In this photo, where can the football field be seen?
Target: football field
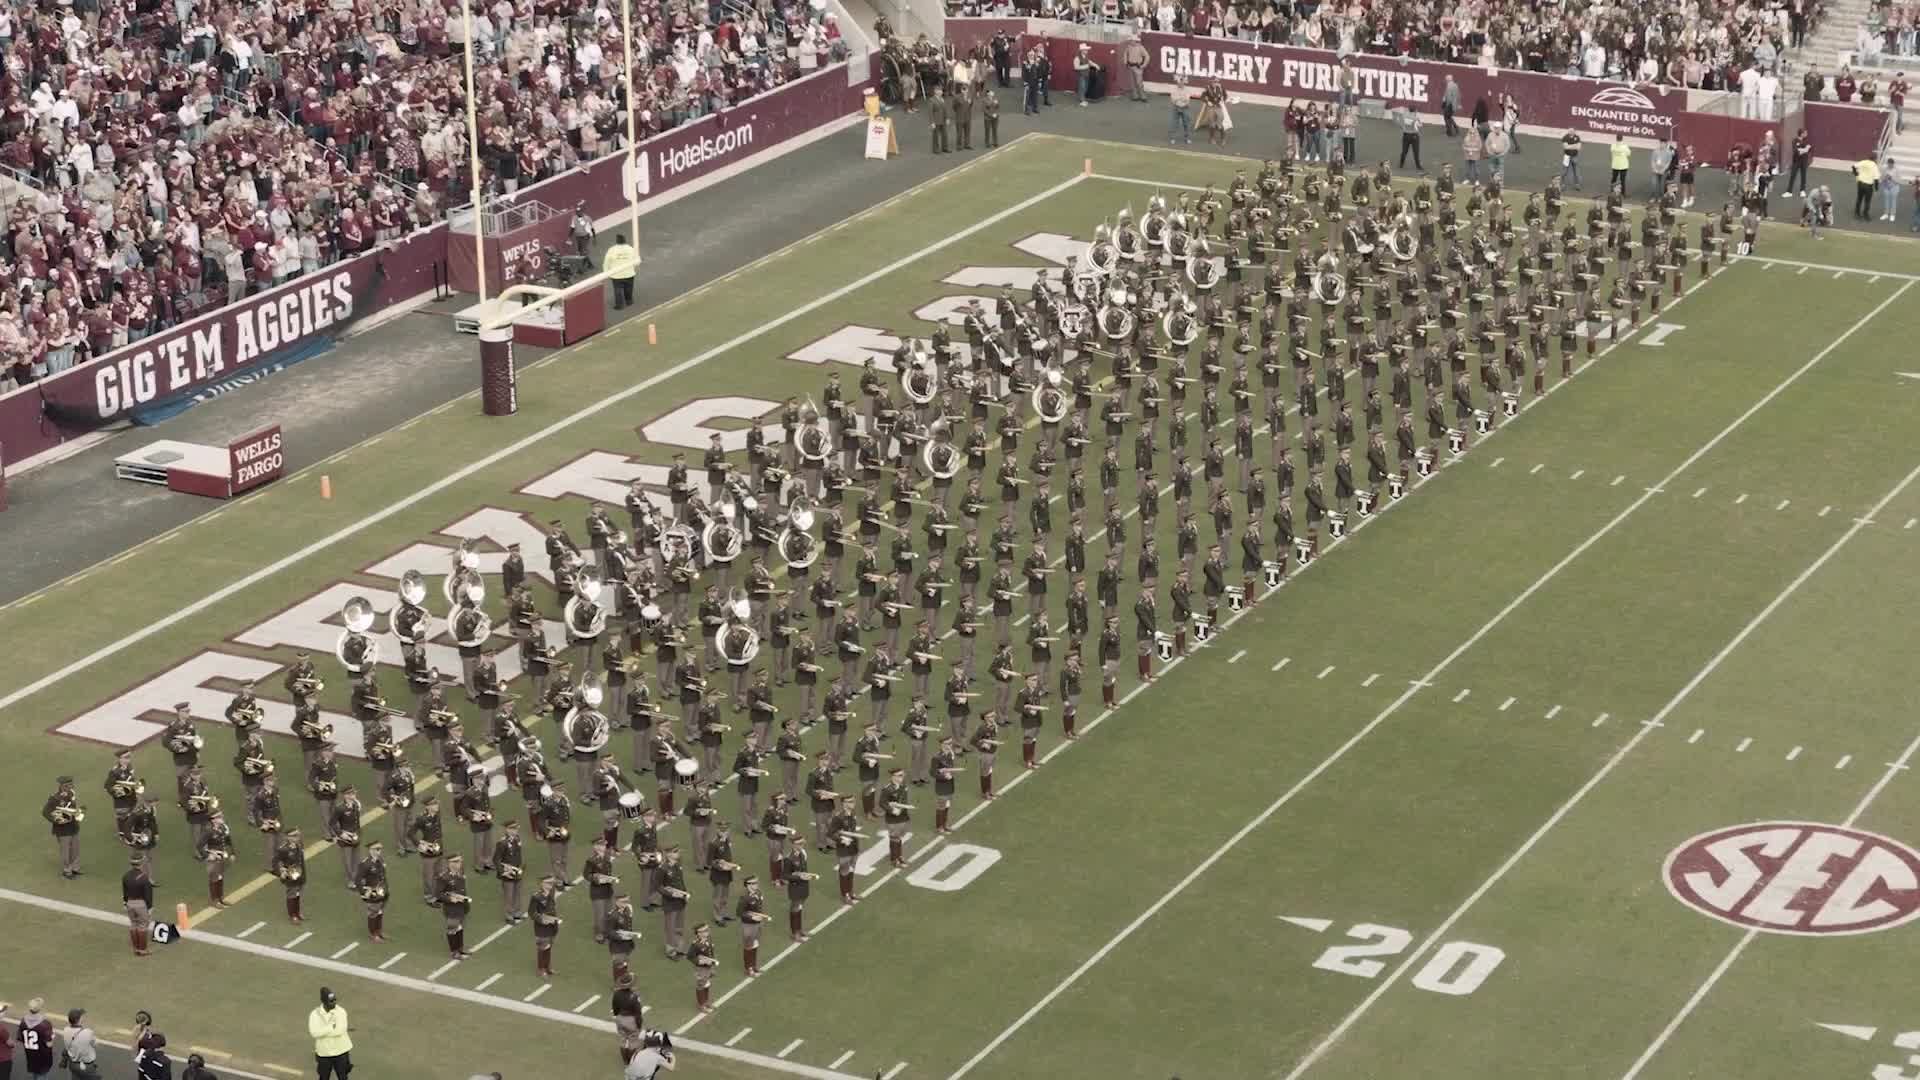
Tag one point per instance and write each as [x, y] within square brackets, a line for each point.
[1592, 756]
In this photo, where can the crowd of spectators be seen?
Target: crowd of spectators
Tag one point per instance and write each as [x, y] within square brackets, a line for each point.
[1698, 43]
[162, 157]
[1892, 29]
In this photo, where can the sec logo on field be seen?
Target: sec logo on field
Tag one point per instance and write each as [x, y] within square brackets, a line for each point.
[1797, 877]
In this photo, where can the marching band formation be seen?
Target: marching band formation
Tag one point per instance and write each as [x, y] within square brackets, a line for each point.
[897, 533]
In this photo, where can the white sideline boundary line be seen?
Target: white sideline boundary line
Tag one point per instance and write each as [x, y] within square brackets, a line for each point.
[1340, 752]
[1605, 770]
[404, 982]
[521, 444]
[1893, 769]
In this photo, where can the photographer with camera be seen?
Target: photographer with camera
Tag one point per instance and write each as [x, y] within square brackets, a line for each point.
[655, 1056]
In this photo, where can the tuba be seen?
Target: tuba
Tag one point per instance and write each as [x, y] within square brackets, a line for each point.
[1202, 271]
[811, 441]
[410, 621]
[1153, 224]
[1329, 288]
[584, 617]
[796, 543]
[480, 624]
[585, 718]
[940, 456]
[1403, 242]
[1102, 255]
[737, 641]
[1115, 317]
[466, 571]
[919, 382]
[1050, 403]
[1182, 321]
[1127, 239]
[355, 651]
[720, 537]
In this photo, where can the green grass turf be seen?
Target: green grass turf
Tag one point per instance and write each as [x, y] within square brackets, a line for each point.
[1399, 831]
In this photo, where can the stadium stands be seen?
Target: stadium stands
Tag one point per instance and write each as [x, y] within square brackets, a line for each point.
[161, 159]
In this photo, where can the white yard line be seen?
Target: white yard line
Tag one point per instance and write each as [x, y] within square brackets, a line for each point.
[1746, 939]
[516, 448]
[1805, 266]
[1440, 932]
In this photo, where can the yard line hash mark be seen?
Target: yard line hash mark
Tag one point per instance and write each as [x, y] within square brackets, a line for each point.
[841, 1060]
[582, 1007]
[1369, 680]
[1420, 954]
[535, 996]
[1793, 753]
[490, 980]
[1842, 763]
[251, 930]
[1784, 503]
[893, 1072]
[741, 1034]
[1235, 658]
[1461, 696]
[349, 947]
[1326, 671]
[1507, 704]
[1577, 474]
[1744, 743]
[296, 941]
[392, 960]
[1496, 463]
[1695, 737]
[1535, 469]
[791, 1047]
[1825, 510]
[1553, 712]
[1280, 663]
[1601, 719]
[1618, 480]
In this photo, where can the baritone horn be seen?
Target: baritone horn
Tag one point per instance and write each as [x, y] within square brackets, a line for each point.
[355, 651]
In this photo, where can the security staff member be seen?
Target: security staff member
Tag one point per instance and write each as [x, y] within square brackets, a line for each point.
[619, 264]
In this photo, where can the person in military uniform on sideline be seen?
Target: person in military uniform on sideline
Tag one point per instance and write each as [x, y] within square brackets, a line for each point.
[963, 115]
[937, 112]
[990, 119]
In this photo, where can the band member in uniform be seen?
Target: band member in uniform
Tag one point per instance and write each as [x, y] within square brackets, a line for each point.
[136, 893]
[621, 937]
[371, 882]
[556, 828]
[822, 799]
[323, 783]
[216, 850]
[700, 818]
[429, 843]
[544, 909]
[123, 785]
[600, 882]
[673, 902]
[509, 865]
[1031, 710]
[475, 807]
[752, 910]
[799, 881]
[198, 802]
[944, 768]
[290, 866]
[141, 833]
[450, 896]
[896, 807]
[1070, 679]
[720, 869]
[264, 810]
[775, 824]
[344, 824]
[62, 812]
[701, 955]
[645, 847]
[181, 740]
[867, 756]
[398, 794]
[844, 834]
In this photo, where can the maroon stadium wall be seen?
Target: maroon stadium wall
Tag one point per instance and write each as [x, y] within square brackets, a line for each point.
[666, 162]
[235, 339]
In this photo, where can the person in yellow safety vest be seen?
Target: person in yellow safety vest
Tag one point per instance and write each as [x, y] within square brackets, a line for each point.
[1866, 176]
[332, 1046]
[1620, 159]
[619, 263]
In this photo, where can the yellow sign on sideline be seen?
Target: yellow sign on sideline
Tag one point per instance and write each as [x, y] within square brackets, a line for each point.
[881, 144]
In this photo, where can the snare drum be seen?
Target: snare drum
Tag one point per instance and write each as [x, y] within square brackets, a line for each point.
[686, 768]
[632, 806]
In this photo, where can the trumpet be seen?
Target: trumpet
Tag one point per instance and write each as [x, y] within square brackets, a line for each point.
[139, 840]
[346, 838]
[323, 789]
[69, 815]
[127, 789]
[456, 898]
[270, 825]
[291, 875]
[373, 894]
[202, 804]
[508, 872]
[257, 766]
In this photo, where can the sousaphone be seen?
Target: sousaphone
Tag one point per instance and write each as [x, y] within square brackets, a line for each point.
[812, 441]
[1128, 240]
[721, 538]
[737, 641]
[1050, 402]
[1115, 317]
[1329, 288]
[585, 724]
[471, 626]
[1202, 271]
[355, 651]
[584, 616]
[466, 570]
[939, 455]
[1181, 323]
[1403, 242]
[919, 381]
[1102, 255]
[797, 546]
[411, 621]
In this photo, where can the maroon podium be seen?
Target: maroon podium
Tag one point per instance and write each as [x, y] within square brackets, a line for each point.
[499, 382]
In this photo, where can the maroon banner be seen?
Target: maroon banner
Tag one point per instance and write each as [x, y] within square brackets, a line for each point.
[255, 458]
[219, 345]
[512, 257]
[1284, 73]
[1844, 133]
